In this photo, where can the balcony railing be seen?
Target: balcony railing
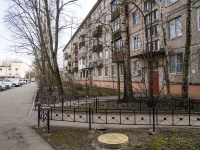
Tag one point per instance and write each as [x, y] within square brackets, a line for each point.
[82, 53]
[75, 59]
[97, 32]
[82, 43]
[117, 34]
[117, 57]
[97, 48]
[115, 13]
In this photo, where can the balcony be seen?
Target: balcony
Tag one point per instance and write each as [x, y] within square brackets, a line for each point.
[75, 59]
[147, 54]
[82, 43]
[97, 32]
[82, 53]
[90, 65]
[75, 48]
[117, 35]
[115, 13]
[97, 48]
[67, 56]
[100, 63]
[118, 57]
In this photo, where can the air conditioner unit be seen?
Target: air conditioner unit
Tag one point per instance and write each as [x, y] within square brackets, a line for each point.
[137, 73]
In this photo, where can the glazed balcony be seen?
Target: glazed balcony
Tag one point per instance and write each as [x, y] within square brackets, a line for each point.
[118, 57]
[117, 35]
[115, 13]
[75, 59]
[97, 32]
[82, 53]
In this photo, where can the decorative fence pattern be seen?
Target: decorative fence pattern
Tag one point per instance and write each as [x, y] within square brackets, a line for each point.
[101, 111]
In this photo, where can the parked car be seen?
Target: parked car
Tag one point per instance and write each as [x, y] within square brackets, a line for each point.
[1, 88]
[32, 79]
[7, 82]
[15, 82]
[4, 86]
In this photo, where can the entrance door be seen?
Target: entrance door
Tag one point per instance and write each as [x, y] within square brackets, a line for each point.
[155, 83]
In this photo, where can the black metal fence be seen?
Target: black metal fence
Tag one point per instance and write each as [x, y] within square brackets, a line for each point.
[102, 111]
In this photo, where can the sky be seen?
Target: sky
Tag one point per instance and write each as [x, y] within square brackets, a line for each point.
[82, 9]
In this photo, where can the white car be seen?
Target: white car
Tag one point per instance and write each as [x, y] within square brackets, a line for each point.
[3, 86]
[6, 84]
[15, 82]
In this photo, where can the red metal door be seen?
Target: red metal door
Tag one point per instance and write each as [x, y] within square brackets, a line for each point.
[155, 83]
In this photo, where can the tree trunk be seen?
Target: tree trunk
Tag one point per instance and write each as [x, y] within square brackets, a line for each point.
[128, 91]
[187, 52]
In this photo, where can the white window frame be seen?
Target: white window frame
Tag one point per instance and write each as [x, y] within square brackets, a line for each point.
[198, 19]
[199, 63]
[173, 27]
[99, 72]
[136, 17]
[177, 64]
[113, 70]
[106, 71]
[170, 2]
[121, 69]
[136, 42]
[106, 54]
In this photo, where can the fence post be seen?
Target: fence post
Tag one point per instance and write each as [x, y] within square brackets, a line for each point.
[62, 107]
[96, 104]
[153, 119]
[48, 122]
[89, 119]
[38, 116]
[189, 112]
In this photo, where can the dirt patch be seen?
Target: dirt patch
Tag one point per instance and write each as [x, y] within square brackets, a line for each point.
[71, 138]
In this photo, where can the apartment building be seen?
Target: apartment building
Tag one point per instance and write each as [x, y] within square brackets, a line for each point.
[92, 54]
[14, 70]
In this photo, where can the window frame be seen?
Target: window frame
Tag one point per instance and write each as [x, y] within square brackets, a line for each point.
[176, 64]
[198, 19]
[106, 71]
[169, 4]
[135, 17]
[113, 70]
[136, 39]
[174, 21]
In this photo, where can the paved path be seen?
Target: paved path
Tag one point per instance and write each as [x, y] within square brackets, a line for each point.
[15, 122]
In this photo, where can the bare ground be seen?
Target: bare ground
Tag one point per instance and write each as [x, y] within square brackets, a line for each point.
[166, 138]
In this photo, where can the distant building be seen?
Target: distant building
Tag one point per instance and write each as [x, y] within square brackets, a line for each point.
[15, 70]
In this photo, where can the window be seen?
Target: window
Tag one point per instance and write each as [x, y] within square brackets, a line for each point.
[136, 42]
[99, 10]
[106, 54]
[100, 55]
[176, 63]
[199, 63]
[136, 68]
[175, 28]
[113, 70]
[105, 19]
[151, 17]
[105, 3]
[155, 46]
[9, 68]
[115, 5]
[16, 73]
[106, 37]
[121, 69]
[148, 5]
[152, 31]
[136, 17]
[99, 71]
[106, 71]
[16, 69]
[117, 46]
[170, 2]
[0, 69]
[198, 18]
[116, 24]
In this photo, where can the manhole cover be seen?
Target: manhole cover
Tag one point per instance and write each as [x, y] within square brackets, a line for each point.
[113, 140]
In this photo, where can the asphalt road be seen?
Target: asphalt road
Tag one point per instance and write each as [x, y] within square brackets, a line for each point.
[15, 121]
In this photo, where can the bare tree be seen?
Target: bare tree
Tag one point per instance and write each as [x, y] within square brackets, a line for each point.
[187, 51]
[38, 23]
